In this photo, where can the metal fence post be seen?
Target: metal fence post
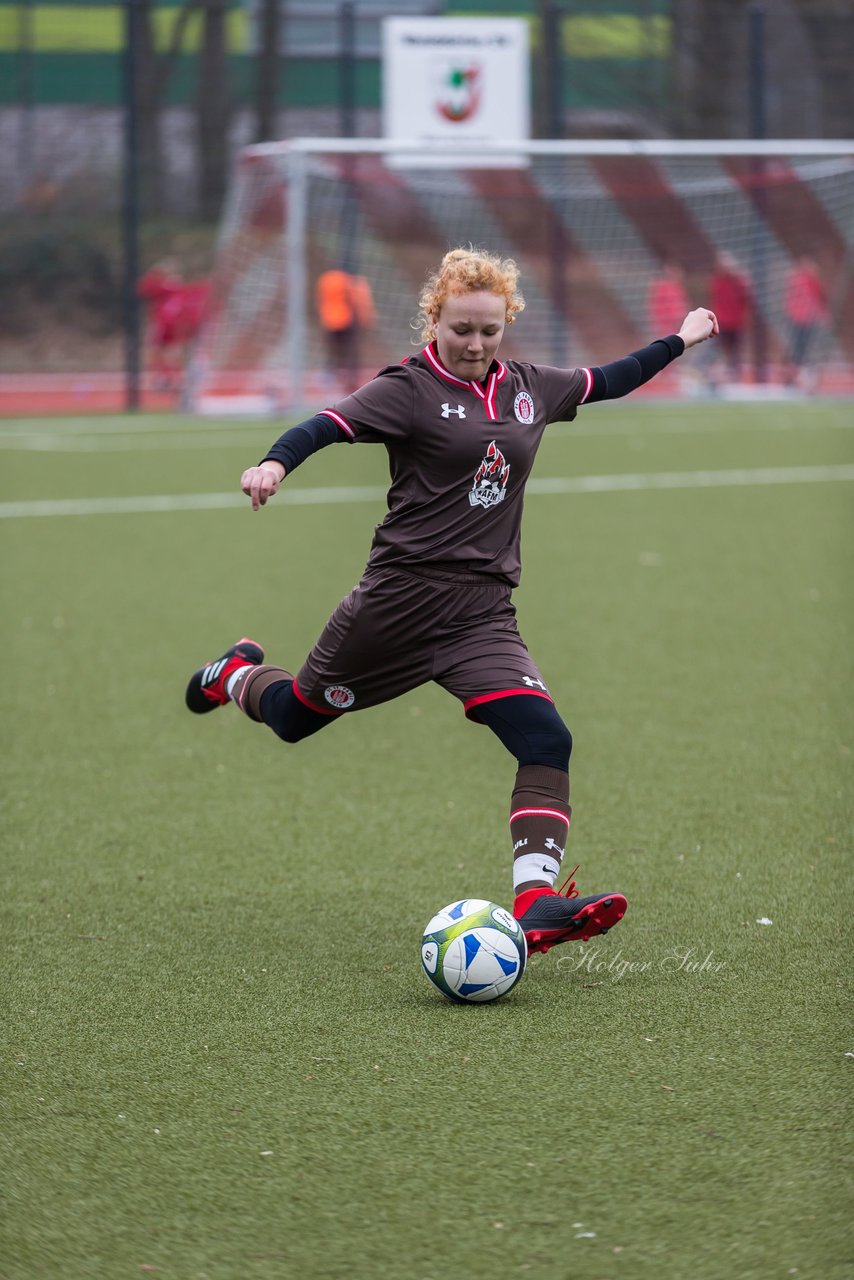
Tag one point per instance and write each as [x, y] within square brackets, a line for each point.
[758, 129]
[130, 209]
[296, 280]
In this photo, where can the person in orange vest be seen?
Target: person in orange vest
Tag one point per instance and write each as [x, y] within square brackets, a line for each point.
[344, 307]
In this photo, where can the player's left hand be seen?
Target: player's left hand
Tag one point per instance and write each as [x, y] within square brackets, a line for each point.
[697, 326]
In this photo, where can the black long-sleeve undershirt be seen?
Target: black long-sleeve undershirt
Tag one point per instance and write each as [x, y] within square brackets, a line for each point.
[302, 441]
[610, 381]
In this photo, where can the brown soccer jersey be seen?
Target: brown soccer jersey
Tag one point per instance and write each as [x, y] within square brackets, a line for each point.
[460, 454]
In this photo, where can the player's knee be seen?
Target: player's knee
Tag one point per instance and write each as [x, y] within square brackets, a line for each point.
[289, 718]
[549, 743]
[294, 731]
[558, 742]
[286, 731]
[531, 729]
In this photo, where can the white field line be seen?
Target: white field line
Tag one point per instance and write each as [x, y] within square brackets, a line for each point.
[39, 442]
[127, 424]
[685, 425]
[117, 436]
[634, 482]
[117, 439]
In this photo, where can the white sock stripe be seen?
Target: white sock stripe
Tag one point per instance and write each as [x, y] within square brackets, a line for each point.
[235, 675]
[534, 866]
[538, 813]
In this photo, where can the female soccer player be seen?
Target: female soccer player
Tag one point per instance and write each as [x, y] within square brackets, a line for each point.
[462, 430]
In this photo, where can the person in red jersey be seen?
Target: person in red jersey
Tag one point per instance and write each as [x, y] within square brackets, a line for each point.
[175, 312]
[731, 300]
[461, 429]
[667, 299]
[160, 288]
[808, 313]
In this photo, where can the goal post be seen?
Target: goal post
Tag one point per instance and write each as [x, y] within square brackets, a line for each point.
[611, 236]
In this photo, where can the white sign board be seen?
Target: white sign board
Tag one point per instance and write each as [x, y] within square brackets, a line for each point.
[454, 83]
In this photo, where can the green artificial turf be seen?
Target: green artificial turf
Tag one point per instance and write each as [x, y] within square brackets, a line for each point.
[220, 1058]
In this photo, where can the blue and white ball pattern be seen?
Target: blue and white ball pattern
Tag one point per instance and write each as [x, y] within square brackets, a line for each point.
[473, 951]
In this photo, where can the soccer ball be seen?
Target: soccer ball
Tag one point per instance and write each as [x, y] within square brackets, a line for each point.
[474, 951]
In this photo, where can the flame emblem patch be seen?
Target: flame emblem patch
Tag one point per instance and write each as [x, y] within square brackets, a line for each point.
[490, 480]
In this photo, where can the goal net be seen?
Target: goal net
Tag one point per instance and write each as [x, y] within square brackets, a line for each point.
[614, 241]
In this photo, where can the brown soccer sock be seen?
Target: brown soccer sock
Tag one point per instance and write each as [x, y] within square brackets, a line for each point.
[252, 684]
[539, 821]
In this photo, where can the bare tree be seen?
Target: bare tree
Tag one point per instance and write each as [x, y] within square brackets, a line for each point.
[213, 110]
[806, 47]
[153, 73]
[268, 62]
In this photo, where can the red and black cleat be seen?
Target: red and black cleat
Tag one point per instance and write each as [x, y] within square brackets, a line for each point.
[548, 917]
[206, 689]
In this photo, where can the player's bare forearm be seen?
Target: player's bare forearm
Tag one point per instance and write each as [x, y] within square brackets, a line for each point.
[261, 482]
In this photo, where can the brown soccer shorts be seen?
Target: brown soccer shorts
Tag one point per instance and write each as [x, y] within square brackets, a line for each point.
[401, 628]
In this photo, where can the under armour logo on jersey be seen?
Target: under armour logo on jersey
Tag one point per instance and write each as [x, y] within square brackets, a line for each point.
[553, 844]
[447, 410]
[534, 684]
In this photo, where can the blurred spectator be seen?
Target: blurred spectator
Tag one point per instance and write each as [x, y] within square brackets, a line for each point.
[807, 313]
[345, 306]
[730, 299]
[175, 310]
[667, 301]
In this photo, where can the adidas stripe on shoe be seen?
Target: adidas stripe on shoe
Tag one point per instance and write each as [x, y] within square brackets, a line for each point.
[207, 687]
[549, 918]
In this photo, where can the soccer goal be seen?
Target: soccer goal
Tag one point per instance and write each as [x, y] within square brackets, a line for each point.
[614, 240]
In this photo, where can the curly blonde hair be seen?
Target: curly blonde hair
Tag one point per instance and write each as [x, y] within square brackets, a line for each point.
[468, 271]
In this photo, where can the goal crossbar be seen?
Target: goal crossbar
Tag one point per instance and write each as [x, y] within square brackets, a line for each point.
[562, 147]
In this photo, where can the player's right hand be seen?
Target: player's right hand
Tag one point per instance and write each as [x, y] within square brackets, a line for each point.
[260, 483]
[697, 326]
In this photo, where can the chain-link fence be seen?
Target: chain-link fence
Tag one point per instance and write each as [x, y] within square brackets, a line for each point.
[119, 122]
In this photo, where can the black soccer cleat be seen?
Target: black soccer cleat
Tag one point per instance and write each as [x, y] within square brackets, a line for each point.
[548, 918]
[206, 689]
